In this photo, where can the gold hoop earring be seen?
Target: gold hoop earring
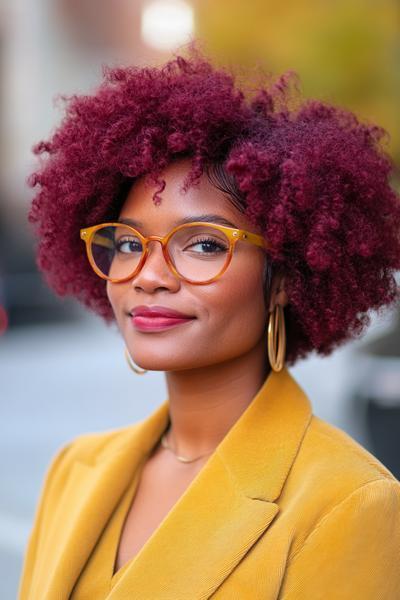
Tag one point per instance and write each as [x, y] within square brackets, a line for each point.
[131, 364]
[276, 331]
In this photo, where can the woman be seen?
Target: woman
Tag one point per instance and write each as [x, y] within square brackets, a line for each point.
[227, 236]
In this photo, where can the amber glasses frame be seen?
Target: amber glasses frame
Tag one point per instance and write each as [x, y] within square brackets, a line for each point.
[234, 235]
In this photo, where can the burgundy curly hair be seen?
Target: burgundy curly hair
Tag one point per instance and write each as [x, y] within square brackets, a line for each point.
[314, 179]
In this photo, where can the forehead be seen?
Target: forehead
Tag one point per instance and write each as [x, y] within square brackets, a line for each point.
[202, 198]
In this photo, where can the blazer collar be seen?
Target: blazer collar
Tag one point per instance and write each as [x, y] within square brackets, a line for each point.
[226, 508]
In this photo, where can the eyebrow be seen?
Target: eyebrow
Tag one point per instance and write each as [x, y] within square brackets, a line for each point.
[210, 218]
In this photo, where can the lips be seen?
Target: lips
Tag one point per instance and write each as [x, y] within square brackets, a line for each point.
[158, 312]
[156, 318]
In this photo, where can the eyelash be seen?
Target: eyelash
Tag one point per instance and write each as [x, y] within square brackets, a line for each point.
[209, 241]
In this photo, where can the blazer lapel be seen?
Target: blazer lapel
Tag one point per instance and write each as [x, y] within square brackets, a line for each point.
[229, 504]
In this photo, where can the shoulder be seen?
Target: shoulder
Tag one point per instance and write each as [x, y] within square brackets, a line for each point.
[331, 474]
[337, 455]
[93, 445]
[333, 461]
[341, 506]
[335, 480]
[88, 448]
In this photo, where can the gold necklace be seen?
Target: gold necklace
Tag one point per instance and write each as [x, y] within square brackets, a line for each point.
[165, 444]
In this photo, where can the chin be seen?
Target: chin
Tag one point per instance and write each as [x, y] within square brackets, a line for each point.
[159, 363]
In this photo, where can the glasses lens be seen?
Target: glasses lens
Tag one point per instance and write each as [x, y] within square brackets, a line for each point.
[199, 252]
[116, 251]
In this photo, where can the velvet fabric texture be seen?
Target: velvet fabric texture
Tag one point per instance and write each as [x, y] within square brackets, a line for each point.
[287, 507]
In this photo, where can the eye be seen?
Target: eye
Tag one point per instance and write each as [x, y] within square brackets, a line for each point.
[208, 245]
[128, 245]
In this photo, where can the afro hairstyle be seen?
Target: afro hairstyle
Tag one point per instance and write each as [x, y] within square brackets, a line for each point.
[312, 178]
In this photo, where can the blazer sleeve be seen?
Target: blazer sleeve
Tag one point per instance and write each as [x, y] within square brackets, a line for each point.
[354, 550]
[48, 489]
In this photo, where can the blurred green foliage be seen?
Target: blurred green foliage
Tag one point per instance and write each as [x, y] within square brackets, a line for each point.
[345, 51]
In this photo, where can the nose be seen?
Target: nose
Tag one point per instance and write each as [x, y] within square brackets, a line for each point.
[155, 271]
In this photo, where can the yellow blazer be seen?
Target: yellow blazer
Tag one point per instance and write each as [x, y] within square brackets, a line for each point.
[287, 507]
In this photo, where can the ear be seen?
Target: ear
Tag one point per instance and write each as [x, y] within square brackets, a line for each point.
[278, 293]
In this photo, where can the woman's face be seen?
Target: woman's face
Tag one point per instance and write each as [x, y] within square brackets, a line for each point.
[229, 314]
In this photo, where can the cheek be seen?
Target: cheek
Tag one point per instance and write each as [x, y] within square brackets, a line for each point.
[110, 294]
[237, 310]
[114, 294]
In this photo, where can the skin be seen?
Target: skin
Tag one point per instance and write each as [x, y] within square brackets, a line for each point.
[214, 365]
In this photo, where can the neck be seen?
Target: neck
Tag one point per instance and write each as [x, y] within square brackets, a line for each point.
[205, 403]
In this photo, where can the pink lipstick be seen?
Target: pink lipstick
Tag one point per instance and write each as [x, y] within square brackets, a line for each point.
[157, 318]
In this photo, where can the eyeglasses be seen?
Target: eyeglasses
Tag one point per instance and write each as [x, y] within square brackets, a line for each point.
[196, 252]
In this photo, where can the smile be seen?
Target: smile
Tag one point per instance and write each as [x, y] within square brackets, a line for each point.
[143, 323]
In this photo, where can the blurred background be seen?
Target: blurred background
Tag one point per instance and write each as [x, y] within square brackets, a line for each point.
[62, 371]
